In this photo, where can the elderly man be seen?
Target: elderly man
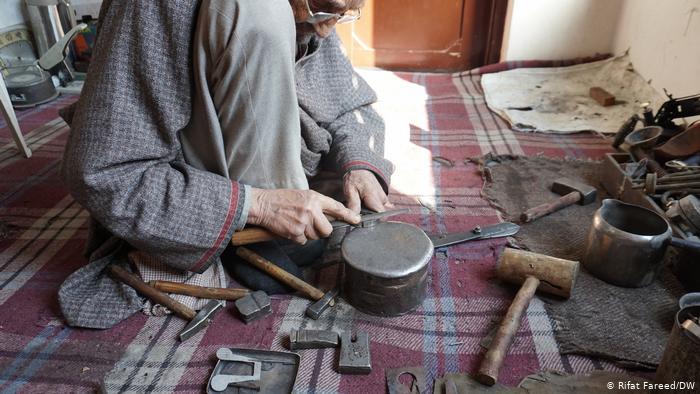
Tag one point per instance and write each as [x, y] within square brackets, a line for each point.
[198, 118]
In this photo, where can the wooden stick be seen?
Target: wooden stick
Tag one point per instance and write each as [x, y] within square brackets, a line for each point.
[212, 293]
[152, 294]
[550, 207]
[252, 235]
[488, 372]
[278, 273]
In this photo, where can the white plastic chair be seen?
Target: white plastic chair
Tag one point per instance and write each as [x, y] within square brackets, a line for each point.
[11, 119]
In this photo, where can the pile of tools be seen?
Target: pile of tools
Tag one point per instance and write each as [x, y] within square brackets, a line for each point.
[665, 157]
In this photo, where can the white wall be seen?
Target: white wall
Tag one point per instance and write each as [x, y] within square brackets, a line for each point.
[664, 42]
[14, 12]
[11, 13]
[559, 29]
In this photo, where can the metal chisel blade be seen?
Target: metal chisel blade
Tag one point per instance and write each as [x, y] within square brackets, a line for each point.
[368, 217]
[495, 231]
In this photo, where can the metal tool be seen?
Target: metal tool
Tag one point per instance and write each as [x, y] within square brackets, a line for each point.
[681, 166]
[255, 234]
[220, 382]
[312, 339]
[285, 277]
[254, 306]
[685, 213]
[641, 142]
[535, 272]
[572, 192]
[212, 293]
[505, 229]
[369, 218]
[354, 354]
[417, 385]
[278, 370]
[197, 320]
[315, 310]
[652, 183]
[625, 130]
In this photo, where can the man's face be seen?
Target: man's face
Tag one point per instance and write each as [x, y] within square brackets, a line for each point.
[322, 29]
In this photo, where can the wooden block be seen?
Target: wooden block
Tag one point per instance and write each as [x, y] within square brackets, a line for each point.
[602, 96]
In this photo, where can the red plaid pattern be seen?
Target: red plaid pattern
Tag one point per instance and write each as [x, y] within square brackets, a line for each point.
[427, 115]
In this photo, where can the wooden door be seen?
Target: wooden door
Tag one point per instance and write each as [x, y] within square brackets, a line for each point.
[426, 34]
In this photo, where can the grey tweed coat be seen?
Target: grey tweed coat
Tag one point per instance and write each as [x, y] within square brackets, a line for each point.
[123, 161]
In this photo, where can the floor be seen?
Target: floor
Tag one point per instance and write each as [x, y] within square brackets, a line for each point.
[428, 116]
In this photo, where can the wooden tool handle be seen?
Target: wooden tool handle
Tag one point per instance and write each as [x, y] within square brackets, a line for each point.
[550, 207]
[652, 165]
[278, 273]
[252, 235]
[152, 294]
[488, 372]
[211, 293]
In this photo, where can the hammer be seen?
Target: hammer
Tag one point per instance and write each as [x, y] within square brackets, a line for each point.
[323, 301]
[535, 272]
[572, 192]
[197, 320]
[212, 293]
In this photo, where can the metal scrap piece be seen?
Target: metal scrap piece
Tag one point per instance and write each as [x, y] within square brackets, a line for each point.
[254, 306]
[315, 310]
[354, 354]
[221, 381]
[444, 161]
[418, 384]
[312, 339]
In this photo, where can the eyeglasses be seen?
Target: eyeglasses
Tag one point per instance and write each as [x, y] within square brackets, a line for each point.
[320, 17]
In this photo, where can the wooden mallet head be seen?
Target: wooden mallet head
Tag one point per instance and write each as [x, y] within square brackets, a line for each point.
[556, 276]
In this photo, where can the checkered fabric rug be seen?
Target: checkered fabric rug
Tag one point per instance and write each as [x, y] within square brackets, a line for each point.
[428, 115]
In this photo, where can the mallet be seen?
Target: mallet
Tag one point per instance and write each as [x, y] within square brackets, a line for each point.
[323, 300]
[197, 320]
[535, 272]
[572, 192]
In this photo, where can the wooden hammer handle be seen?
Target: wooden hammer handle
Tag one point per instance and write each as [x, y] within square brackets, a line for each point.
[152, 294]
[278, 273]
[252, 235]
[488, 371]
[550, 207]
[211, 293]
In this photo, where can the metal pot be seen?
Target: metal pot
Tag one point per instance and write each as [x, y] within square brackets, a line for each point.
[386, 268]
[626, 244]
[29, 86]
[681, 359]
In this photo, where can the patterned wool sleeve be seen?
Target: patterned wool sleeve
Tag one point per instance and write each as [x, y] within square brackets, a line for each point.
[340, 101]
[123, 161]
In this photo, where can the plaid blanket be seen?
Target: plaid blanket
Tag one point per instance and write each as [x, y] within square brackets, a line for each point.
[42, 231]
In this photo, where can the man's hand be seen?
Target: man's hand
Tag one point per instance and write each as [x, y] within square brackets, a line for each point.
[362, 186]
[298, 215]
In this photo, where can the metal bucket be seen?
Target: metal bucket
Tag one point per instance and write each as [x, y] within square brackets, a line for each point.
[626, 244]
[681, 359]
[386, 268]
